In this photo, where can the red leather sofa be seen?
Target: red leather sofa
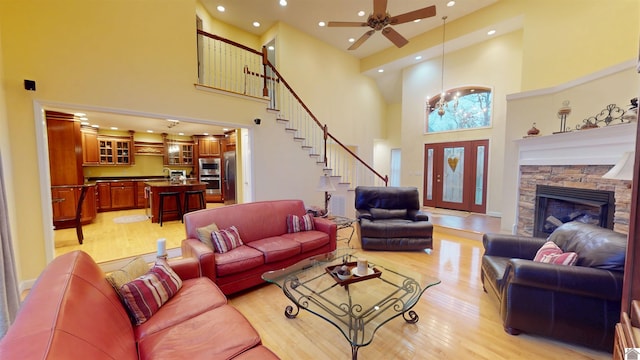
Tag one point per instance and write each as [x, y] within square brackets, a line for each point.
[267, 244]
[73, 312]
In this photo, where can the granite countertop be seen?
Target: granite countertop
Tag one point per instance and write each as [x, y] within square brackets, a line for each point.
[94, 180]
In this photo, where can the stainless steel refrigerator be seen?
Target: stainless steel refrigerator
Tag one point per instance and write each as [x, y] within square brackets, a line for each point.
[229, 177]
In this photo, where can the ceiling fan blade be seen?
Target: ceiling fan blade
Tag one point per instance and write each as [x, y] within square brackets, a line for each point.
[395, 37]
[362, 39]
[379, 8]
[414, 15]
[346, 24]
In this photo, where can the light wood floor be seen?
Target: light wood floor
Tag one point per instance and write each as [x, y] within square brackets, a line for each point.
[457, 319]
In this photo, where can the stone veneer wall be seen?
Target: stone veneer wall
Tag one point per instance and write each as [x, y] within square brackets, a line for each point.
[575, 176]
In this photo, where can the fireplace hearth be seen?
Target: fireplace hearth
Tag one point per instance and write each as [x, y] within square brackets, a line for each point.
[556, 205]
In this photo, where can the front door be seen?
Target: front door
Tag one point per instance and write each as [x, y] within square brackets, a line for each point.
[455, 175]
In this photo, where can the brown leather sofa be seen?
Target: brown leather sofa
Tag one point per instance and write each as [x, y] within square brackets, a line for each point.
[267, 244]
[390, 219]
[73, 312]
[578, 304]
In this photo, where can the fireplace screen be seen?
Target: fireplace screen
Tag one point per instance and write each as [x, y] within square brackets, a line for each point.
[557, 205]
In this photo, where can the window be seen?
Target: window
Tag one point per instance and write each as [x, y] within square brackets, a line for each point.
[464, 108]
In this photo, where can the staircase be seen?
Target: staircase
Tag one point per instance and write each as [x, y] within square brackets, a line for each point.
[235, 68]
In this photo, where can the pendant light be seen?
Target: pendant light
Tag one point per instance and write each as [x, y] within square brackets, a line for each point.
[441, 103]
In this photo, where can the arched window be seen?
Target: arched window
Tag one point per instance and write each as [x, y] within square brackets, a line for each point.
[467, 107]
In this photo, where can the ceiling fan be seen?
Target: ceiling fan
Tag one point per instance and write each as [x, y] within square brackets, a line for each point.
[380, 20]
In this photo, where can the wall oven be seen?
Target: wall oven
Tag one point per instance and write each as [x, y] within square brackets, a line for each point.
[209, 173]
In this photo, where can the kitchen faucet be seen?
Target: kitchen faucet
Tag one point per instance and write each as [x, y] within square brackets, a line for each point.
[167, 170]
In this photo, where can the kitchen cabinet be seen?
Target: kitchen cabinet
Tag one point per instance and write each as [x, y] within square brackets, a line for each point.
[114, 150]
[177, 152]
[208, 146]
[104, 196]
[65, 201]
[122, 195]
[65, 149]
[141, 199]
[89, 146]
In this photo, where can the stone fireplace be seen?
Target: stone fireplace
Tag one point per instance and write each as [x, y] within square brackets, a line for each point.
[573, 163]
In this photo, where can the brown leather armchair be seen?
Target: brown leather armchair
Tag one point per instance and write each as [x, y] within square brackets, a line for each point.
[578, 304]
[390, 219]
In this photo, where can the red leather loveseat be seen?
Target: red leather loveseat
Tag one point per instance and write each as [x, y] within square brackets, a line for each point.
[267, 244]
[73, 312]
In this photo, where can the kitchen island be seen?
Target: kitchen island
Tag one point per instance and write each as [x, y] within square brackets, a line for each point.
[154, 188]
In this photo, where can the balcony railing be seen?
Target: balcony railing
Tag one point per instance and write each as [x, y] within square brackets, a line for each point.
[228, 66]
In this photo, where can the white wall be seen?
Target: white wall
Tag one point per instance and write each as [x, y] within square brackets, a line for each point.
[494, 63]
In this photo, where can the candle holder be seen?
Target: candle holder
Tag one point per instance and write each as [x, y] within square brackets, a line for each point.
[563, 112]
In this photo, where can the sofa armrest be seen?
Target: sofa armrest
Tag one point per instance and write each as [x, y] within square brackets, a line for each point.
[417, 215]
[578, 280]
[329, 227]
[193, 248]
[186, 267]
[512, 246]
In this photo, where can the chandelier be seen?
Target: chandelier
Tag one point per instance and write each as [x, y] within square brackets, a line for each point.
[441, 105]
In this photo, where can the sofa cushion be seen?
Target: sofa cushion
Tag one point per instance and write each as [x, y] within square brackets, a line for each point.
[204, 233]
[395, 228]
[238, 260]
[596, 247]
[380, 214]
[146, 294]
[309, 240]
[132, 270]
[276, 248]
[550, 253]
[297, 223]
[187, 303]
[226, 239]
[220, 333]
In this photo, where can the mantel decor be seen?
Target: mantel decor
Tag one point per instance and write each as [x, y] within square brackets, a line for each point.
[612, 114]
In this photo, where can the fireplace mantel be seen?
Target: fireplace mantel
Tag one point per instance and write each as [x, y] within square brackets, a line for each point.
[601, 146]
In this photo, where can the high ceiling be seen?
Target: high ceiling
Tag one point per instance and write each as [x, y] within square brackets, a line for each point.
[305, 15]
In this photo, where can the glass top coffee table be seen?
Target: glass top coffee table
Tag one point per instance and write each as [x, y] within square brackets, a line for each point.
[358, 305]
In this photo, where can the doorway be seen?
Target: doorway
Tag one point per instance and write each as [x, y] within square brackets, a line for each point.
[456, 175]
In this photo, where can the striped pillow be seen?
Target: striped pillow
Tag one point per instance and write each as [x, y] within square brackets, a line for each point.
[299, 223]
[225, 240]
[550, 253]
[145, 295]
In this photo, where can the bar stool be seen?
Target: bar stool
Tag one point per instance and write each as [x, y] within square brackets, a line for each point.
[187, 199]
[162, 210]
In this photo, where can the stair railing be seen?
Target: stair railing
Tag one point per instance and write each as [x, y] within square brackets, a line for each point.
[232, 67]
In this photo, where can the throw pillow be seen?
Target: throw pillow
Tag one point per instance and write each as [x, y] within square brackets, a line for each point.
[135, 268]
[204, 233]
[299, 223]
[550, 253]
[145, 295]
[225, 240]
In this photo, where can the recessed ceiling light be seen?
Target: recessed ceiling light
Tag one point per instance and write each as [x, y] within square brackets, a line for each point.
[173, 121]
[322, 23]
[114, 128]
[205, 134]
[220, 8]
[361, 13]
[79, 114]
[271, 47]
[83, 118]
[225, 129]
[380, 70]
[352, 40]
[256, 24]
[283, 2]
[451, 3]
[85, 123]
[417, 20]
[95, 126]
[149, 131]
[418, 57]
[181, 134]
[491, 32]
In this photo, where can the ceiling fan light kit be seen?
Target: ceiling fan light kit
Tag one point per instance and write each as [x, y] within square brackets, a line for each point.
[381, 20]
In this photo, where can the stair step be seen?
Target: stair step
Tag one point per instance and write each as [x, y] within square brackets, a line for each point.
[298, 138]
[307, 147]
[290, 129]
[315, 155]
[284, 121]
